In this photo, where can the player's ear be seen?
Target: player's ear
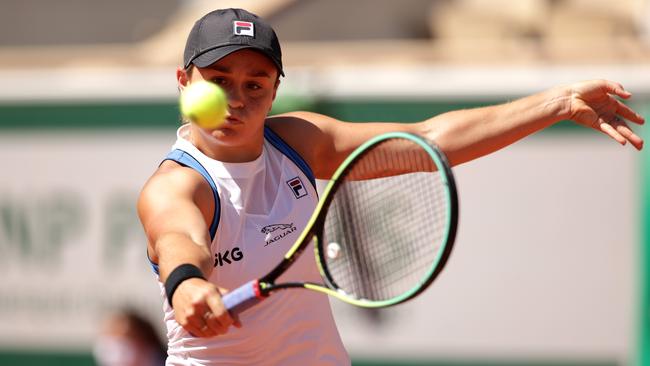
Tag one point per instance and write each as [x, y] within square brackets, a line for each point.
[182, 77]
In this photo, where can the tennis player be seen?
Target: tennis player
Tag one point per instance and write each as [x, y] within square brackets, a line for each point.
[226, 204]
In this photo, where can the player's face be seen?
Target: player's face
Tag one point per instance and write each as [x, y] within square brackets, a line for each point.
[250, 81]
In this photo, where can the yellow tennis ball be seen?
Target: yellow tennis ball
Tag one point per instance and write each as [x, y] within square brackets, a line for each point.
[204, 103]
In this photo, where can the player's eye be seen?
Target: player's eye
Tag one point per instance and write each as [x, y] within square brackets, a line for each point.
[254, 86]
[219, 81]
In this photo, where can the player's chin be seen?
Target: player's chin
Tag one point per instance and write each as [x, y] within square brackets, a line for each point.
[228, 131]
[232, 137]
[225, 132]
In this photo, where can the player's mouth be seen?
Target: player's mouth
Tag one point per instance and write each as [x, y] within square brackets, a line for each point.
[230, 125]
[232, 121]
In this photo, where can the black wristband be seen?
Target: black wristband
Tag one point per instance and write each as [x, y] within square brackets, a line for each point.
[178, 275]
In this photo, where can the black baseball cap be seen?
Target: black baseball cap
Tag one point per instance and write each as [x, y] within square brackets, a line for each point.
[224, 31]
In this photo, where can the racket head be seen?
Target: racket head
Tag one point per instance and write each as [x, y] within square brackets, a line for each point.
[382, 241]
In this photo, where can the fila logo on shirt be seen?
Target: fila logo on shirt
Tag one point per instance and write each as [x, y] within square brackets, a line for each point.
[227, 257]
[297, 187]
[241, 28]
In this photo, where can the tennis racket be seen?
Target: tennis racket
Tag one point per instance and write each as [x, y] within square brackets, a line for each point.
[382, 231]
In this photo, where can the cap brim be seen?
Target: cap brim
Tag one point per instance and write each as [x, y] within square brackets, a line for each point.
[208, 58]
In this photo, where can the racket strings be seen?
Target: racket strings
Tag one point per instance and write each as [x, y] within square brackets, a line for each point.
[420, 256]
[388, 217]
[386, 263]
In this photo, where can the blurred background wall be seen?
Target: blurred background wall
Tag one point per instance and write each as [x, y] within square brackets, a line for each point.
[549, 267]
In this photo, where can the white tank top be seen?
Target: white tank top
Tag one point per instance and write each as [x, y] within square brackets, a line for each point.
[262, 206]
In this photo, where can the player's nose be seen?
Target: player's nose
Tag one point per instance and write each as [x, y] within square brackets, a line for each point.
[235, 98]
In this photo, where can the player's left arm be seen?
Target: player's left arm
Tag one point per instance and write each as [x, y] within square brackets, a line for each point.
[465, 135]
[469, 134]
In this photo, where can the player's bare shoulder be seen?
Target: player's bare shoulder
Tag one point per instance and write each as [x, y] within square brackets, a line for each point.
[306, 132]
[293, 124]
[172, 182]
[173, 178]
[302, 121]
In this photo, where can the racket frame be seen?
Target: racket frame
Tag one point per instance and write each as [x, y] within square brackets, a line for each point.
[314, 230]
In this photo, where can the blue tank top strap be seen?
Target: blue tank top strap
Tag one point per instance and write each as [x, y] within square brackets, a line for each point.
[289, 152]
[185, 159]
[154, 266]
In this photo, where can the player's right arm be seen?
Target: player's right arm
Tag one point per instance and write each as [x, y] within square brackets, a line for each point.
[174, 207]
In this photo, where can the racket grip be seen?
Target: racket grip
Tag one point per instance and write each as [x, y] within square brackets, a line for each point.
[243, 297]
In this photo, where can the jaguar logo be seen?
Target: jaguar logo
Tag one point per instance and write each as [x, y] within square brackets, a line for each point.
[280, 230]
[271, 228]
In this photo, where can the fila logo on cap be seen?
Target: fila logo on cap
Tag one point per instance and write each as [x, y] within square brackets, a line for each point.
[242, 28]
[297, 187]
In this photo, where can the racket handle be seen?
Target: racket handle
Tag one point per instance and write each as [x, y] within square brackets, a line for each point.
[243, 297]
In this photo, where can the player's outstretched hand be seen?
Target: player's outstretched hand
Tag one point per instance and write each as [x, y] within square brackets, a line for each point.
[595, 104]
[199, 310]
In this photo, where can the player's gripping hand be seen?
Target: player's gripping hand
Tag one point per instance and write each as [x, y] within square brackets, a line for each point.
[595, 104]
[199, 310]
